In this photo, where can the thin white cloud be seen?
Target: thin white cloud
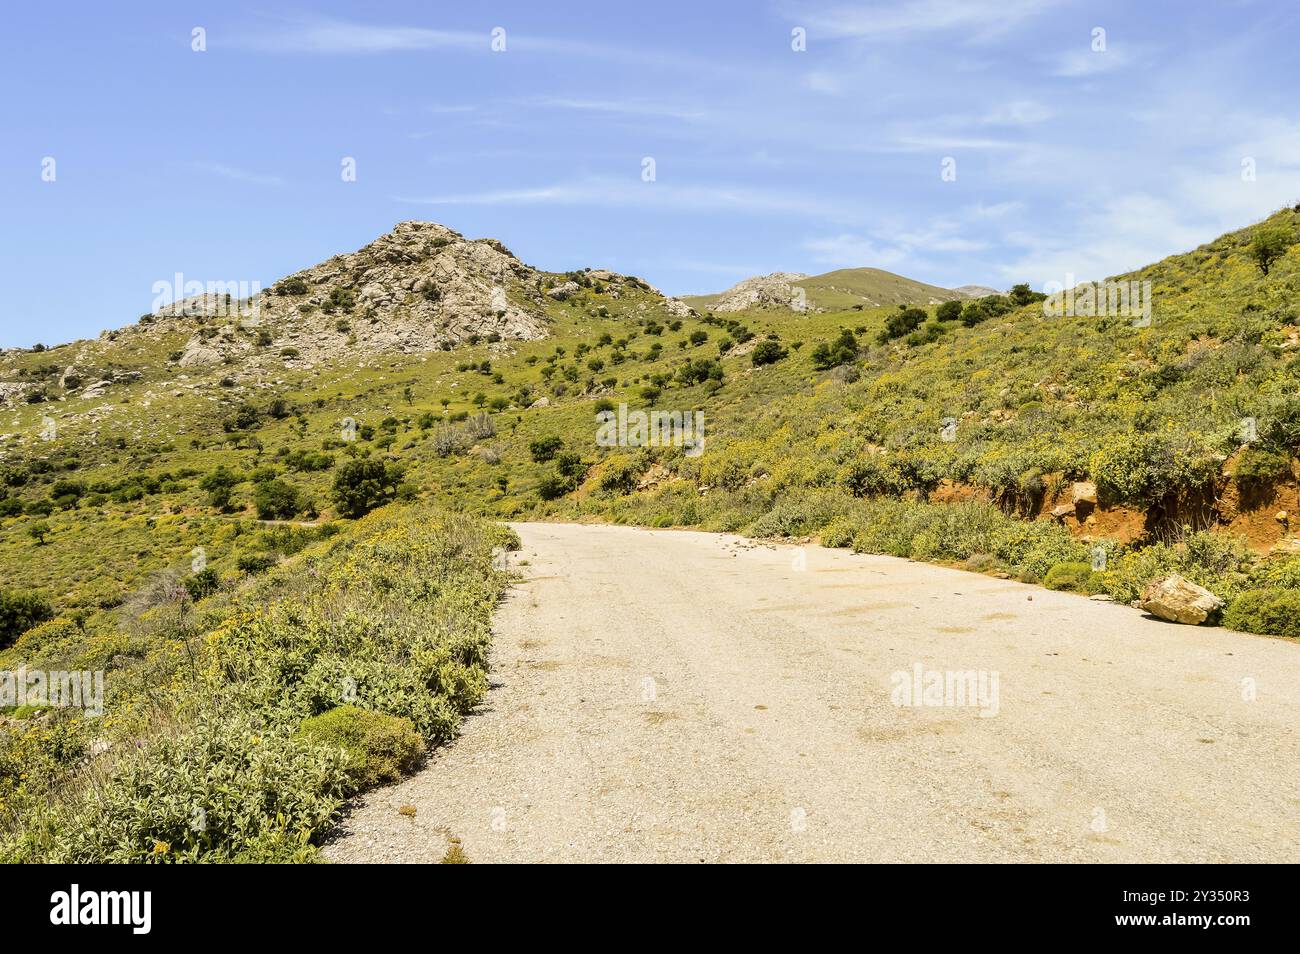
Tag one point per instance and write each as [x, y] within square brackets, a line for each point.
[909, 142]
[891, 245]
[1021, 112]
[980, 18]
[853, 251]
[324, 36]
[328, 36]
[996, 210]
[1087, 62]
[609, 191]
[823, 81]
[620, 107]
[235, 174]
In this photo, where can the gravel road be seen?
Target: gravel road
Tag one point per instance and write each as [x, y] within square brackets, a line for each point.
[677, 696]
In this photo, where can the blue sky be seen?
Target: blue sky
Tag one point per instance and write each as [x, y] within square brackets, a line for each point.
[225, 165]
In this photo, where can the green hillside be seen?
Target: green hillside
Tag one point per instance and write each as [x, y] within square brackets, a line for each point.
[162, 527]
[849, 288]
[846, 287]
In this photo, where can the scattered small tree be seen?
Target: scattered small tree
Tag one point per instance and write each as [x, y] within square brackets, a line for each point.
[1268, 244]
[1022, 294]
[545, 448]
[219, 485]
[902, 322]
[948, 311]
[276, 500]
[840, 351]
[20, 610]
[767, 352]
[362, 485]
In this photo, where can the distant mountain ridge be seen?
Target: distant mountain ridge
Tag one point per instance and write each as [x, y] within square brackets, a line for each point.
[838, 289]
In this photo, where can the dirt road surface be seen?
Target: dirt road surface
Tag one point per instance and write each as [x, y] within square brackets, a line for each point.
[676, 696]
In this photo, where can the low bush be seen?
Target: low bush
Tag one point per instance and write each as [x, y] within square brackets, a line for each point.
[800, 516]
[544, 449]
[225, 790]
[1143, 468]
[1075, 577]
[330, 672]
[362, 485]
[20, 610]
[1272, 612]
[1258, 467]
[1217, 562]
[276, 500]
[376, 748]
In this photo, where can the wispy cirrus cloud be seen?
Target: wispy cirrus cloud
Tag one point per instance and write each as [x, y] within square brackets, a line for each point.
[332, 36]
[981, 18]
[235, 174]
[326, 36]
[892, 244]
[1088, 62]
[1021, 112]
[611, 191]
[620, 107]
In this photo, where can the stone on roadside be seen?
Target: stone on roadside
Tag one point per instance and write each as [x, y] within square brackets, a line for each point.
[1178, 600]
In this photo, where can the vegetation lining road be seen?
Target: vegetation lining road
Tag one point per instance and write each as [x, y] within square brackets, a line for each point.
[135, 468]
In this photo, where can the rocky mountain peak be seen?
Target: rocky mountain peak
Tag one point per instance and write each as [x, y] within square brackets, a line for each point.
[420, 287]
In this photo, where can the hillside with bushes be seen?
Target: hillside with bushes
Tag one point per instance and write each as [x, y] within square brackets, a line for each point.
[275, 538]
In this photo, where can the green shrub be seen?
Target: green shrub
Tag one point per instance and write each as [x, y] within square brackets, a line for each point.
[1143, 468]
[832, 354]
[1272, 612]
[20, 610]
[276, 500]
[1279, 571]
[1035, 546]
[840, 532]
[362, 485]
[619, 474]
[553, 487]
[202, 584]
[948, 311]
[376, 748]
[544, 449]
[1214, 561]
[1076, 577]
[799, 516]
[570, 466]
[767, 352]
[253, 563]
[218, 485]
[872, 475]
[901, 322]
[227, 789]
[1259, 467]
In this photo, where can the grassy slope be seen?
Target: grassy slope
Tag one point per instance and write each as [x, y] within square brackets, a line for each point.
[201, 755]
[1148, 412]
[844, 288]
[1034, 396]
